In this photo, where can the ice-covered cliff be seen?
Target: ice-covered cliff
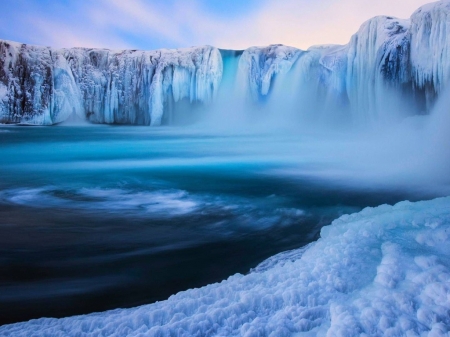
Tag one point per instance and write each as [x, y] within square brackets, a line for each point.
[389, 66]
[259, 65]
[41, 85]
[430, 47]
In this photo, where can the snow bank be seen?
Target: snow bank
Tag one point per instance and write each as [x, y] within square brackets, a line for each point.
[382, 272]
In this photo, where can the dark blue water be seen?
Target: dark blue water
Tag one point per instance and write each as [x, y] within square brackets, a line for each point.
[100, 217]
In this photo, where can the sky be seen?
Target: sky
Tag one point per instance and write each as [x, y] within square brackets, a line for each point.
[154, 24]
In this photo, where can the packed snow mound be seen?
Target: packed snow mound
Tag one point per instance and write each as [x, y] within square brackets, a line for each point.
[382, 272]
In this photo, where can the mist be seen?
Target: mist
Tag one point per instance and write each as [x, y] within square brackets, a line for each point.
[319, 135]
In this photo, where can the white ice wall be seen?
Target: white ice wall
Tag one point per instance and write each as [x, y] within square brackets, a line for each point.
[367, 79]
[259, 65]
[386, 68]
[129, 87]
[369, 52]
[430, 45]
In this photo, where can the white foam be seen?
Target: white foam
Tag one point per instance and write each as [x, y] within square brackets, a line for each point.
[163, 202]
[382, 272]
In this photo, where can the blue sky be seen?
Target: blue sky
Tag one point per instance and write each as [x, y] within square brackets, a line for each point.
[151, 24]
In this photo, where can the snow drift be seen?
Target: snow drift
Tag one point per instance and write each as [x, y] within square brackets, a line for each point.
[382, 272]
[386, 63]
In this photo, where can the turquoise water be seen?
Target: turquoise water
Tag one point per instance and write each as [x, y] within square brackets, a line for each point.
[100, 217]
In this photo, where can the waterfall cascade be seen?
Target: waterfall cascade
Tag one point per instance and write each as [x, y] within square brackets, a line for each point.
[368, 79]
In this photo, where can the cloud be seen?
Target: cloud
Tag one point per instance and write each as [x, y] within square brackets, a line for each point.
[304, 23]
[175, 23]
[137, 17]
[58, 34]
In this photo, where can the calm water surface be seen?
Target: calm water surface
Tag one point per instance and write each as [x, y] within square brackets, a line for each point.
[100, 217]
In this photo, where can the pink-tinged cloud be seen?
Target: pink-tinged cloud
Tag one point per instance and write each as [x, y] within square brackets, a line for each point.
[144, 24]
[302, 23]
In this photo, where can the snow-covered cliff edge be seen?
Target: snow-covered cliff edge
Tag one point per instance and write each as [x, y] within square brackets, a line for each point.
[387, 61]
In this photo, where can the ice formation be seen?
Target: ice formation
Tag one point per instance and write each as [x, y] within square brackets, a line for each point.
[382, 272]
[45, 86]
[430, 49]
[377, 56]
[258, 67]
[368, 78]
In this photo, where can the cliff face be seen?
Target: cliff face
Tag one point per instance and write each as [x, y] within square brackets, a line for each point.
[387, 57]
[45, 86]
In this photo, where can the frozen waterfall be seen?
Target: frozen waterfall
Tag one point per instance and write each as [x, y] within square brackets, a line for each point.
[389, 69]
[45, 86]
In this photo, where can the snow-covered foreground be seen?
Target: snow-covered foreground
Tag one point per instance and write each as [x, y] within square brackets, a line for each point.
[383, 271]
